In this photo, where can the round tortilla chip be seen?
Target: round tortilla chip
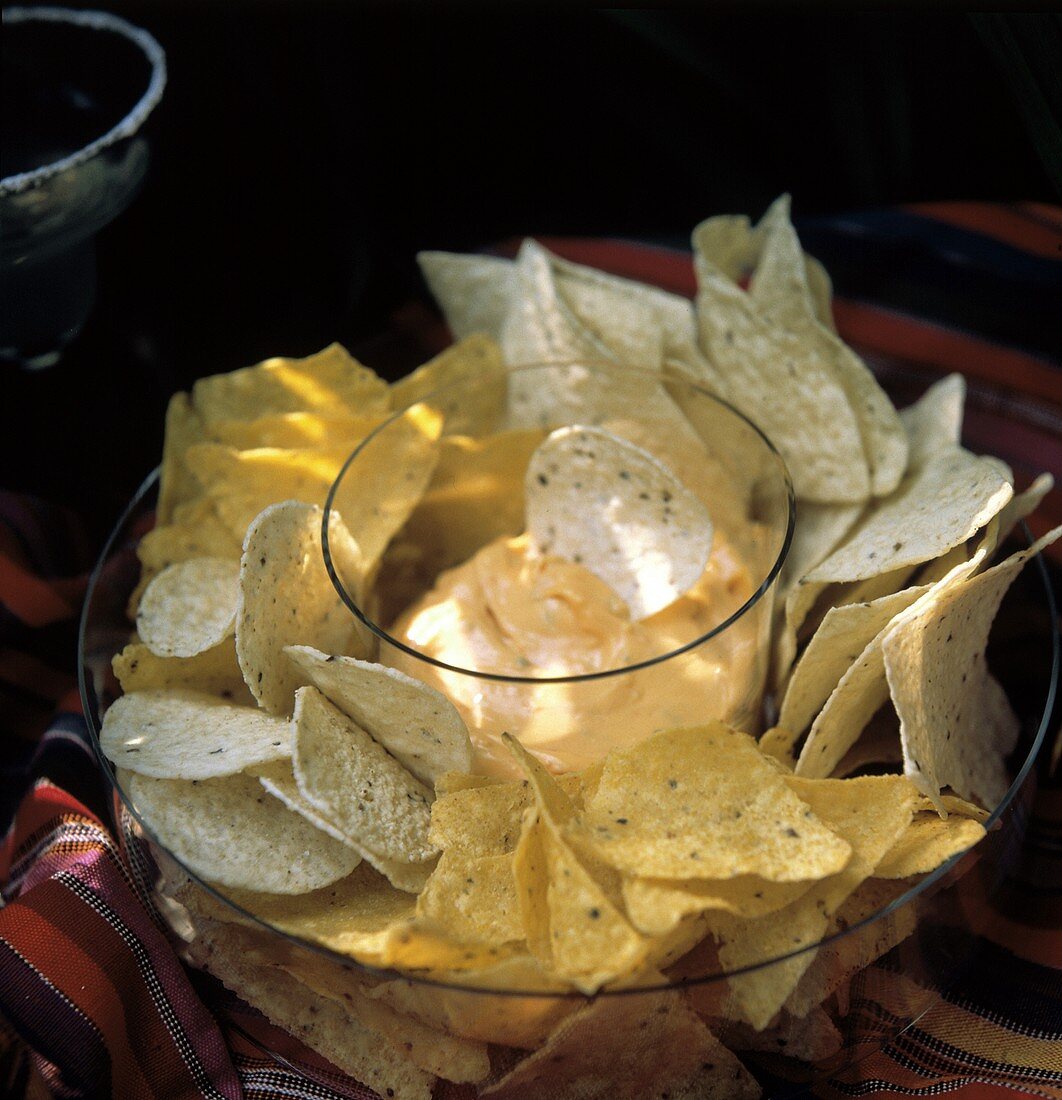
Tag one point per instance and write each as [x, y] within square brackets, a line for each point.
[598, 500]
[189, 607]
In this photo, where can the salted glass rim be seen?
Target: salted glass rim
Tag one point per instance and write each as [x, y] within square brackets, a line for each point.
[675, 374]
[93, 721]
[134, 118]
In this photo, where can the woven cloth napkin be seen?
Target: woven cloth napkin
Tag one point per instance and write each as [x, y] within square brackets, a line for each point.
[94, 1001]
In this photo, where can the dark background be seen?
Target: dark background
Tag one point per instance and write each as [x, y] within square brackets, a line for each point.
[304, 151]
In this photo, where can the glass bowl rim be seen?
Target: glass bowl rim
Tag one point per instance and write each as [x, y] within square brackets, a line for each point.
[674, 374]
[90, 707]
[134, 118]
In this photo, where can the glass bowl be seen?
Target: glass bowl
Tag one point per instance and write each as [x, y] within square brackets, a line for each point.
[703, 657]
[877, 975]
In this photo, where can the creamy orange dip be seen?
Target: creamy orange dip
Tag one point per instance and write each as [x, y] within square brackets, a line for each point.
[510, 612]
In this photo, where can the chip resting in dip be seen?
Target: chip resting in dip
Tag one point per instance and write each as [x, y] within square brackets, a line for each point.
[581, 715]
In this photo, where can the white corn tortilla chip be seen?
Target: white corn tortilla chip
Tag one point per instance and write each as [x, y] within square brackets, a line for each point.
[416, 723]
[598, 500]
[357, 785]
[837, 644]
[287, 598]
[473, 291]
[934, 422]
[232, 832]
[956, 726]
[189, 735]
[864, 688]
[189, 607]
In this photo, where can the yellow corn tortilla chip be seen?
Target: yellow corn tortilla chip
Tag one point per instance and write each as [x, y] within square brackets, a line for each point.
[569, 920]
[473, 898]
[478, 1013]
[189, 607]
[598, 500]
[296, 430]
[878, 746]
[323, 382]
[836, 962]
[230, 831]
[657, 906]
[287, 598]
[414, 722]
[658, 1042]
[189, 735]
[322, 1023]
[1022, 505]
[811, 1038]
[871, 813]
[214, 671]
[703, 802]
[184, 427]
[428, 1048]
[956, 725]
[466, 384]
[352, 780]
[929, 841]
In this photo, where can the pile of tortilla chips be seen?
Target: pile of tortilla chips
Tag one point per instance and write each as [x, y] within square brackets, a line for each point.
[330, 797]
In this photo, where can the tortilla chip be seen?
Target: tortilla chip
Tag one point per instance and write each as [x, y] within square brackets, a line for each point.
[871, 813]
[428, 1048]
[362, 790]
[657, 906]
[322, 1023]
[213, 672]
[287, 598]
[230, 831]
[776, 376]
[956, 726]
[189, 607]
[663, 1047]
[864, 688]
[298, 430]
[189, 735]
[929, 841]
[598, 500]
[819, 530]
[473, 291]
[417, 724]
[934, 422]
[473, 898]
[466, 384]
[837, 962]
[843, 635]
[936, 508]
[323, 382]
[184, 427]
[703, 802]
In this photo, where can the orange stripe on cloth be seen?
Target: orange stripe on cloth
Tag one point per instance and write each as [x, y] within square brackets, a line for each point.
[999, 222]
[903, 337]
[1050, 214]
[74, 972]
[44, 807]
[29, 598]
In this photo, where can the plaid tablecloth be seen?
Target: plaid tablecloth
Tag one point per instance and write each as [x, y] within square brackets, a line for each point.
[93, 1000]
